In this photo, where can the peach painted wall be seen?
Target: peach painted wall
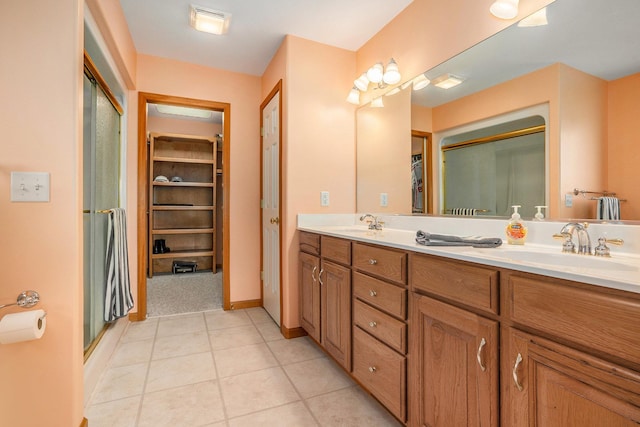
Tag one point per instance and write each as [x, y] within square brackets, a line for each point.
[384, 138]
[318, 144]
[41, 110]
[242, 91]
[421, 118]
[429, 32]
[624, 145]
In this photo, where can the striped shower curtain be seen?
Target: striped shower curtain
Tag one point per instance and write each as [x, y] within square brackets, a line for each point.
[118, 300]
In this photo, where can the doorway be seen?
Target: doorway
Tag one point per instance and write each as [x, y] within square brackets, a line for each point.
[270, 160]
[145, 101]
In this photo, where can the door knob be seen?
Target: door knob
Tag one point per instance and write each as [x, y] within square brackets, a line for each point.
[275, 220]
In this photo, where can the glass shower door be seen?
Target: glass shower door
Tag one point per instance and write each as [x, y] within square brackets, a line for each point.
[101, 172]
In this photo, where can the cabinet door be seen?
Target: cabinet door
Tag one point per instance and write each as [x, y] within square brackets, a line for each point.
[336, 312]
[453, 377]
[309, 269]
[545, 383]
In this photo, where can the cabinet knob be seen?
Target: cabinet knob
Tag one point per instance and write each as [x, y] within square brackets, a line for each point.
[372, 369]
[373, 324]
[274, 220]
[373, 261]
[372, 293]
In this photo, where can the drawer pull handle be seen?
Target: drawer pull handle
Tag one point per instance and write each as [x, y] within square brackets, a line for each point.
[372, 293]
[320, 276]
[483, 342]
[372, 369]
[515, 372]
[313, 274]
[373, 324]
[373, 261]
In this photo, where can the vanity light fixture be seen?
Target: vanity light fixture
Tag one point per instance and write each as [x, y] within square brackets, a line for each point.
[535, 20]
[504, 9]
[447, 81]
[362, 82]
[209, 20]
[420, 82]
[377, 102]
[354, 96]
[375, 73]
[391, 75]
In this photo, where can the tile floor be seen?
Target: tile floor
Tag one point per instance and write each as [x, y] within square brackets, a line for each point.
[220, 368]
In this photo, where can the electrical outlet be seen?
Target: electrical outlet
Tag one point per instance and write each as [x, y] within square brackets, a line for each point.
[383, 199]
[568, 200]
[324, 198]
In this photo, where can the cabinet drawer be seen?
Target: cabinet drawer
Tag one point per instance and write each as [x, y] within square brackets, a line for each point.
[458, 281]
[382, 371]
[385, 263]
[338, 250]
[602, 320]
[382, 326]
[383, 295]
[310, 243]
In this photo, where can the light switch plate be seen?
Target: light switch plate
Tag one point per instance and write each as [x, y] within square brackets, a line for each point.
[568, 200]
[30, 186]
[324, 198]
[383, 199]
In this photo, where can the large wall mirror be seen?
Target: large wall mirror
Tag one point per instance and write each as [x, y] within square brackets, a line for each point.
[582, 69]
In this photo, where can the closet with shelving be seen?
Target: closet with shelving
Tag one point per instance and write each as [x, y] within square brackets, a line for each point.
[183, 201]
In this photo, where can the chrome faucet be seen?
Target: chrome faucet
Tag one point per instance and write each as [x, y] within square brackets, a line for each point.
[373, 222]
[584, 241]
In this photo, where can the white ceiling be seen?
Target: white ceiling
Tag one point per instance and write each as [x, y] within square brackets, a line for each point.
[161, 28]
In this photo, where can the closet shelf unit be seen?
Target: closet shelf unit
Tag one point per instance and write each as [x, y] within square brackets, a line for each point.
[182, 210]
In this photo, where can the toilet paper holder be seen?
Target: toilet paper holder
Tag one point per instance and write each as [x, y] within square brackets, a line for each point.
[25, 299]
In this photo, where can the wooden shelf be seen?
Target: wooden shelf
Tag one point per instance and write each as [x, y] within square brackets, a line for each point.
[182, 214]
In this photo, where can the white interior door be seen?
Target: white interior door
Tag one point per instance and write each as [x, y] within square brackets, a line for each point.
[271, 207]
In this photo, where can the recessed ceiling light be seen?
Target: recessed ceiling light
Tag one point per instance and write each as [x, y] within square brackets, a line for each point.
[209, 20]
[184, 111]
[447, 81]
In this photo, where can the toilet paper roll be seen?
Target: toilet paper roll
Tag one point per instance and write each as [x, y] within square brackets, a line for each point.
[25, 326]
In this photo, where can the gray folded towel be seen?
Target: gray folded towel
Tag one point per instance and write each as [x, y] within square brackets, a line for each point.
[429, 239]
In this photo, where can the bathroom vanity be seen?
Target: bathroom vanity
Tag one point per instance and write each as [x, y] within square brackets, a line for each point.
[445, 336]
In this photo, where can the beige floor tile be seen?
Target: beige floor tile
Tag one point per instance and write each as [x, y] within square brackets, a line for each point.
[291, 415]
[226, 319]
[295, 350]
[121, 413]
[120, 382]
[269, 331]
[350, 407]
[239, 360]
[234, 337]
[180, 345]
[181, 324]
[259, 315]
[256, 391]
[317, 376]
[143, 330]
[191, 405]
[130, 353]
[179, 371]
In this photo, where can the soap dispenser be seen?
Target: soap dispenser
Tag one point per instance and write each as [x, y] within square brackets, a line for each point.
[539, 216]
[516, 230]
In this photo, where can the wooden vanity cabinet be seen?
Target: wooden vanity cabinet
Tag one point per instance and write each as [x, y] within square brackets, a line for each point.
[454, 369]
[380, 324]
[325, 294]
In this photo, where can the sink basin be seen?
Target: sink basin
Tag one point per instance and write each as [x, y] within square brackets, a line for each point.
[561, 259]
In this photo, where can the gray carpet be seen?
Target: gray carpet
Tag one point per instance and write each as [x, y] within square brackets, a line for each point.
[183, 293]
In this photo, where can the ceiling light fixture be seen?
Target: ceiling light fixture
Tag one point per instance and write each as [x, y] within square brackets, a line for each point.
[447, 81]
[535, 20]
[209, 20]
[504, 9]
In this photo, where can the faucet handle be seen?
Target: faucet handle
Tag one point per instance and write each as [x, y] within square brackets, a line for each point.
[602, 249]
[567, 244]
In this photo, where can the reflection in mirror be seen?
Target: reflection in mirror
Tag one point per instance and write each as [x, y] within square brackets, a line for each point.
[488, 170]
[584, 67]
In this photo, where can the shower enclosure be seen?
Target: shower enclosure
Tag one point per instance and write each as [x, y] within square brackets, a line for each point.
[101, 185]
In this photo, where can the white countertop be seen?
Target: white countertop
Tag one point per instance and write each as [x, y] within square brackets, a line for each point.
[621, 271]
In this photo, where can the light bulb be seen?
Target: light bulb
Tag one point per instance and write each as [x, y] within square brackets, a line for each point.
[362, 82]
[374, 74]
[420, 82]
[504, 9]
[354, 96]
[392, 74]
